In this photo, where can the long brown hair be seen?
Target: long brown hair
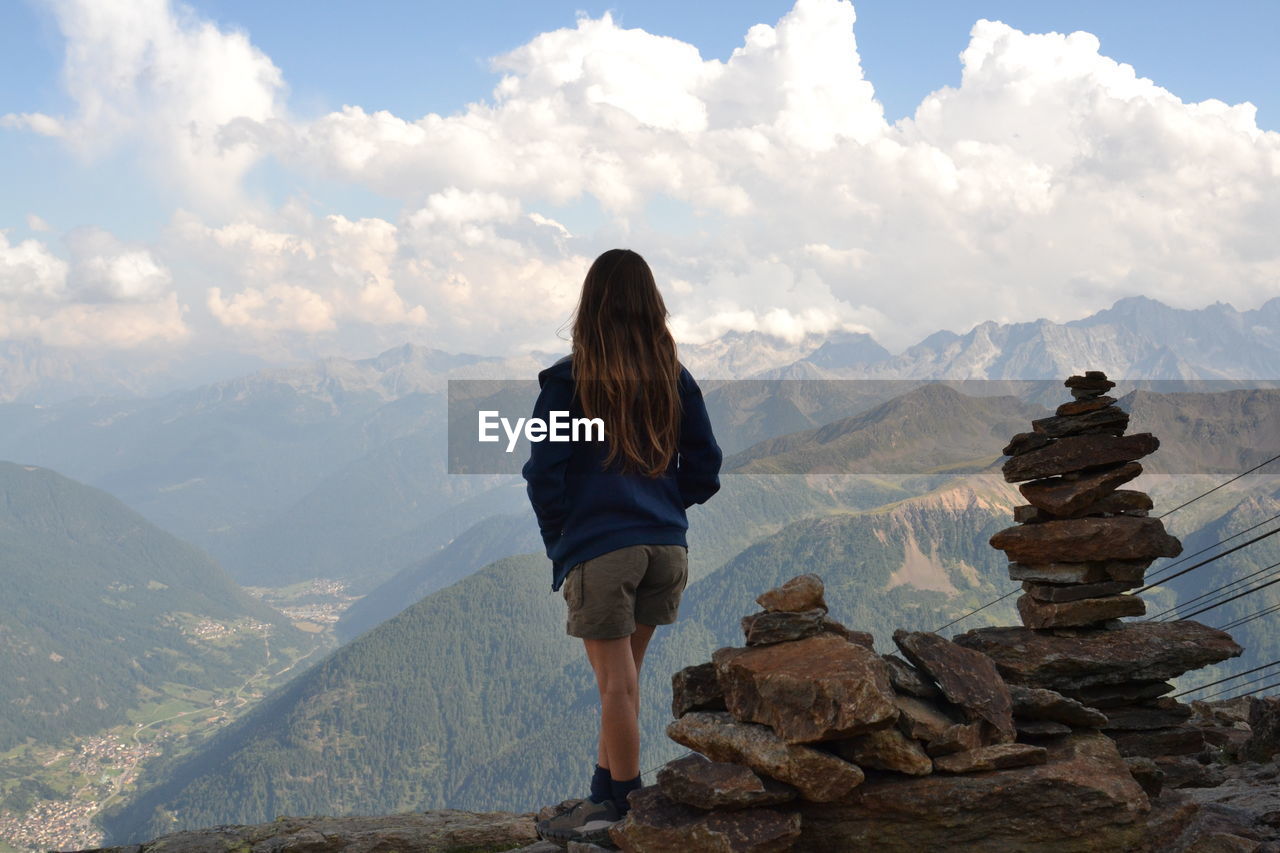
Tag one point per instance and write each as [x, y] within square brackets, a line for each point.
[624, 363]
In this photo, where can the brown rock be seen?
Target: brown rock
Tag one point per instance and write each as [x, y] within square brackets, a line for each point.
[1107, 696]
[998, 756]
[695, 781]
[1036, 729]
[1147, 774]
[1177, 740]
[1264, 723]
[1139, 651]
[1039, 703]
[887, 749]
[909, 680]
[1152, 714]
[858, 638]
[655, 822]
[1095, 571]
[1080, 407]
[1185, 771]
[780, 626]
[803, 592]
[1025, 442]
[921, 720]
[819, 688]
[1058, 592]
[819, 776]
[1065, 498]
[1091, 380]
[1119, 502]
[1108, 421]
[1082, 798]
[958, 737]
[1085, 611]
[1078, 453]
[967, 678]
[696, 688]
[1087, 539]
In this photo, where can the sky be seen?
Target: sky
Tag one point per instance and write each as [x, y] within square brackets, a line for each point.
[292, 179]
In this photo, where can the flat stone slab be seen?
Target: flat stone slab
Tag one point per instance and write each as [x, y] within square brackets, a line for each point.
[1039, 703]
[907, 679]
[695, 781]
[655, 822]
[1119, 502]
[1078, 453]
[1107, 696]
[818, 775]
[1096, 571]
[1059, 592]
[1152, 714]
[1082, 798]
[1175, 740]
[1081, 540]
[994, 757]
[818, 688]
[1079, 407]
[1034, 729]
[1104, 421]
[1065, 497]
[967, 678]
[780, 626]
[1138, 651]
[1084, 611]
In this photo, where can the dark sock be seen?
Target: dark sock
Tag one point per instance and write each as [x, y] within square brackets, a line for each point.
[620, 791]
[600, 785]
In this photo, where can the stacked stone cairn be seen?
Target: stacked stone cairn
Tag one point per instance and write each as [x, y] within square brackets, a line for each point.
[806, 738]
[1079, 544]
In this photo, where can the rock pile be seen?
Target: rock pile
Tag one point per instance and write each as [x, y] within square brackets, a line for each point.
[806, 738]
[1081, 540]
[1078, 545]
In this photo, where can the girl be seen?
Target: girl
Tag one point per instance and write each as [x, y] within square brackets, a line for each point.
[612, 512]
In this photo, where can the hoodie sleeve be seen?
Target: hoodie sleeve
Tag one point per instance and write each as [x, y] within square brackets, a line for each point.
[544, 473]
[698, 471]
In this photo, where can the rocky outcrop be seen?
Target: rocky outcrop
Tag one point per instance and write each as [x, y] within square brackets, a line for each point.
[826, 745]
[446, 831]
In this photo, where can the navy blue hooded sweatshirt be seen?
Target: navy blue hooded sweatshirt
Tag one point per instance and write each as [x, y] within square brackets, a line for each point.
[584, 511]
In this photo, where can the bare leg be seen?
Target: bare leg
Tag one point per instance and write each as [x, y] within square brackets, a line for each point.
[639, 644]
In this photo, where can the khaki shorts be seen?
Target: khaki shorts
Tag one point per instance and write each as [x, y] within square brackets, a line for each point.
[609, 594]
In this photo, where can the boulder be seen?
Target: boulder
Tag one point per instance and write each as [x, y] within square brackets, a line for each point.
[1084, 611]
[922, 720]
[1060, 592]
[1093, 571]
[1082, 540]
[780, 626]
[1078, 453]
[1139, 651]
[1079, 407]
[818, 775]
[997, 756]
[1264, 723]
[696, 688]
[909, 680]
[1091, 381]
[1066, 497]
[695, 781]
[803, 592]
[1082, 798]
[1038, 703]
[887, 749]
[656, 822]
[959, 737]
[1108, 421]
[967, 678]
[819, 688]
